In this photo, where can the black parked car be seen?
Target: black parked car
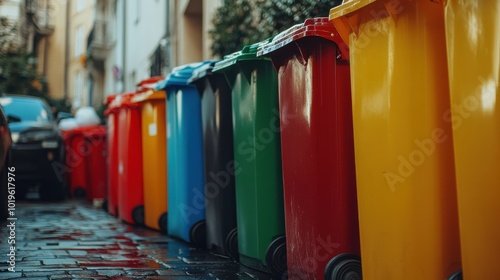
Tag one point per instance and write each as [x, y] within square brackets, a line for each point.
[5, 144]
[38, 147]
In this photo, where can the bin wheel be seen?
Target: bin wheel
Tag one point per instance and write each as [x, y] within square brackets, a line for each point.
[232, 244]
[79, 192]
[198, 234]
[344, 267]
[456, 276]
[138, 215]
[105, 205]
[276, 257]
[162, 223]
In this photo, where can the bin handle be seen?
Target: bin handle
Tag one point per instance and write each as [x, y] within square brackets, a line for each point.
[303, 56]
[347, 24]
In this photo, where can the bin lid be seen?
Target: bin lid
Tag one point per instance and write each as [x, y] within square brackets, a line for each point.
[202, 71]
[312, 27]
[89, 131]
[109, 99]
[149, 95]
[249, 52]
[149, 83]
[180, 75]
[119, 101]
[342, 24]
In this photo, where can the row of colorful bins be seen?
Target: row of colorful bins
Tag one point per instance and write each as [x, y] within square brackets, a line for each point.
[272, 136]
[137, 191]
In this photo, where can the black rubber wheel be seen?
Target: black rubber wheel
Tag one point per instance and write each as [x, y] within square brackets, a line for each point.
[198, 234]
[232, 244]
[79, 192]
[344, 267]
[276, 257]
[162, 223]
[52, 191]
[138, 215]
[105, 205]
[456, 276]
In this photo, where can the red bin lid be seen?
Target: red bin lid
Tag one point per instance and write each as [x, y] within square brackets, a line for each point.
[312, 27]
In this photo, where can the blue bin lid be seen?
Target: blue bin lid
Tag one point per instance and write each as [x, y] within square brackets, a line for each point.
[180, 75]
[203, 71]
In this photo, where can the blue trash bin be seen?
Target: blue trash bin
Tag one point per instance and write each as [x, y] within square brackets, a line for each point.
[186, 180]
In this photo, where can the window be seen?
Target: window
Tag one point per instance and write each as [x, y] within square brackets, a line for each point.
[78, 89]
[26, 109]
[80, 5]
[79, 41]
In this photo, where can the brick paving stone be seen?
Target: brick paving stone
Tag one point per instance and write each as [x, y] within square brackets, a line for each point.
[58, 261]
[44, 273]
[111, 272]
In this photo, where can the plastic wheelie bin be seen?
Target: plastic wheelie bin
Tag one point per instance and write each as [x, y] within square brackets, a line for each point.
[220, 207]
[186, 196]
[473, 44]
[257, 154]
[130, 173]
[403, 145]
[112, 102]
[154, 153]
[87, 158]
[95, 137]
[76, 153]
[319, 176]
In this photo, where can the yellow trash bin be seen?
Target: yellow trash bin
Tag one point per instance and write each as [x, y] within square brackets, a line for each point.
[473, 41]
[154, 150]
[403, 141]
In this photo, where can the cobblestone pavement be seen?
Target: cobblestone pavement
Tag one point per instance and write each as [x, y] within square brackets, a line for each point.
[73, 240]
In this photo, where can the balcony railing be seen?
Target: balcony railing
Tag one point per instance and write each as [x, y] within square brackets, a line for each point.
[100, 40]
[41, 13]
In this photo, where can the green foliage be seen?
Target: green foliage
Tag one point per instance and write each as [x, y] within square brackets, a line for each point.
[241, 22]
[18, 70]
[234, 26]
[278, 15]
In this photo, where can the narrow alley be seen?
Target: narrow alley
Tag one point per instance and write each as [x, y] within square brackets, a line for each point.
[73, 240]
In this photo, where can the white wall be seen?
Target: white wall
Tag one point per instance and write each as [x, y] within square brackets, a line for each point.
[10, 9]
[146, 26]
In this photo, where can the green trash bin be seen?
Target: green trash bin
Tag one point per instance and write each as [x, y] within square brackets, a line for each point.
[257, 155]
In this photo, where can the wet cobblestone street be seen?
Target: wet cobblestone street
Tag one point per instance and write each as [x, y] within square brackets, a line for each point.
[73, 240]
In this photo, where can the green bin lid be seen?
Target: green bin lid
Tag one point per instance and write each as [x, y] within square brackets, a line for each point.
[248, 53]
[312, 27]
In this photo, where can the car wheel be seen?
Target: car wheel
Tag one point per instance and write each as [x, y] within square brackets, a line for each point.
[52, 190]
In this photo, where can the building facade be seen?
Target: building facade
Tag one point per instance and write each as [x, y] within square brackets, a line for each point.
[81, 19]
[88, 49]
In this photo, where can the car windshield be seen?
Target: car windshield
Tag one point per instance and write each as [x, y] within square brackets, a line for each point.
[25, 109]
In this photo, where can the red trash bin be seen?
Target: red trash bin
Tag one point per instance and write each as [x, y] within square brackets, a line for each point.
[130, 173]
[88, 159]
[75, 157]
[96, 164]
[319, 180]
[113, 102]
